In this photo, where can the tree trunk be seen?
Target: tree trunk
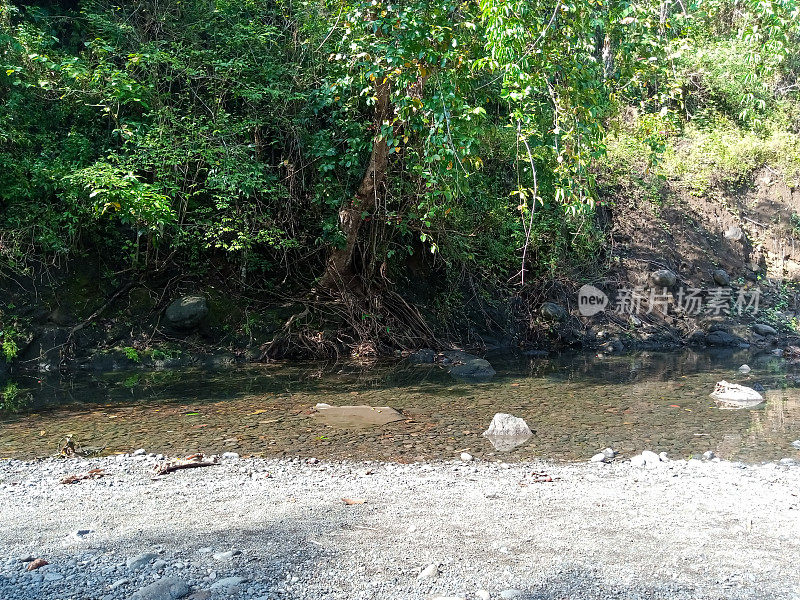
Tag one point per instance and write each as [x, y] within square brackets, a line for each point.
[339, 272]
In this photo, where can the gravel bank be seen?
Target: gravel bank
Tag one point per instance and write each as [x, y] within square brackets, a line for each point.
[252, 528]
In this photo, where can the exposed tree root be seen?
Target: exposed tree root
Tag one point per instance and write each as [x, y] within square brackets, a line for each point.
[352, 322]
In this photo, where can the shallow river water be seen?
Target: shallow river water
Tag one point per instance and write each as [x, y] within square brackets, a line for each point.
[576, 404]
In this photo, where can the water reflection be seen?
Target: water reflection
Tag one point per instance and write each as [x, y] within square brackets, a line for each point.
[576, 404]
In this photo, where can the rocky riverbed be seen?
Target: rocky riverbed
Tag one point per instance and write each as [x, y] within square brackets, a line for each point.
[256, 528]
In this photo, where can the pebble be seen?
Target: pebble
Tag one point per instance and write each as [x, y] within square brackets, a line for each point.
[483, 595]
[466, 456]
[429, 572]
[118, 583]
[230, 456]
[227, 582]
[227, 555]
[599, 458]
[137, 562]
[609, 453]
[663, 456]
[511, 593]
[744, 369]
[796, 444]
[139, 452]
[708, 455]
[53, 576]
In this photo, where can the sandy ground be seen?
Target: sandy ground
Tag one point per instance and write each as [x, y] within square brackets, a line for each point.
[252, 528]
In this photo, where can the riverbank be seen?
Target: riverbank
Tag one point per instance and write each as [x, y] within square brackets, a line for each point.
[255, 528]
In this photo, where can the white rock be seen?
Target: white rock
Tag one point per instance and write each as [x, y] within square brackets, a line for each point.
[744, 369]
[482, 595]
[599, 458]
[796, 444]
[651, 459]
[511, 593]
[505, 424]
[429, 572]
[466, 456]
[708, 455]
[638, 461]
[507, 432]
[139, 452]
[228, 555]
[230, 456]
[609, 453]
[663, 456]
[734, 396]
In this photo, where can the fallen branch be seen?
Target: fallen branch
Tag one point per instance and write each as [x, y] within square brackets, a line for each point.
[190, 462]
[93, 474]
[100, 310]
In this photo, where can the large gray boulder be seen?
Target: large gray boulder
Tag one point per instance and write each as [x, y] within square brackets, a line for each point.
[663, 278]
[723, 338]
[764, 329]
[462, 365]
[187, 312]
[553, 311]
[475, 368]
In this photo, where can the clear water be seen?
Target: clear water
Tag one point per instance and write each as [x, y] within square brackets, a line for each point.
[576, 404]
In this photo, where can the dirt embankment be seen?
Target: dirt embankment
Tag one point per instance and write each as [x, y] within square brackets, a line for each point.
[718, 268]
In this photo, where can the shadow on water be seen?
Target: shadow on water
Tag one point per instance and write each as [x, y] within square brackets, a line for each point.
[576, 403]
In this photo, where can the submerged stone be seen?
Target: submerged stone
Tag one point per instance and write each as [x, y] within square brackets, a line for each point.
[358, 416]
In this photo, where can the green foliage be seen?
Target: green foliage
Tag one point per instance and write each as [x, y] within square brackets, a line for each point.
[131, 354]
[8, 344]
[225, 136]
[12, 398]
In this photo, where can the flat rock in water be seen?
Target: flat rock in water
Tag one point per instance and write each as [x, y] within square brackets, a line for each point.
[168, 588]
[733, 395]
[358, 416]
[467, 366]
[507, 431]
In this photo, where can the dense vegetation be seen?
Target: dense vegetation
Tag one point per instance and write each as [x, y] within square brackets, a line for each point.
[348, 146]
